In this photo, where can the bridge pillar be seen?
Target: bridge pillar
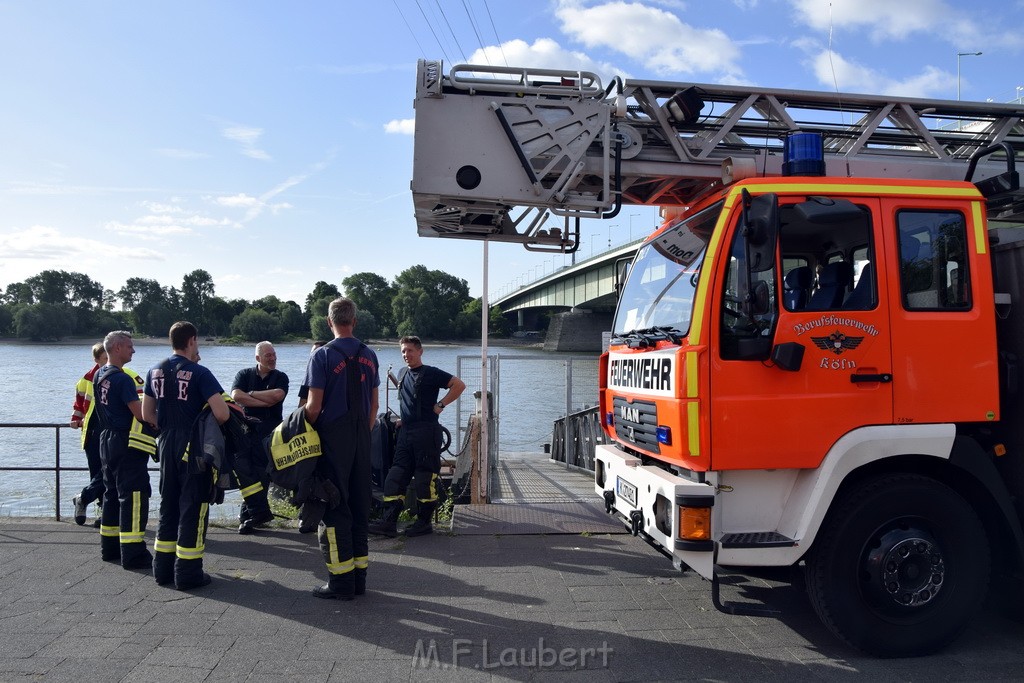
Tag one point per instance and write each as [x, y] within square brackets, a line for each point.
[520, 323]
[577, 330]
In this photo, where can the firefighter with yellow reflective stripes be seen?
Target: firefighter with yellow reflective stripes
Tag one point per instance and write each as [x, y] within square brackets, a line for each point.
[82, 417]
[125, 450]
[418, 447]
[342, 377]
[176, 391]
[260, 390]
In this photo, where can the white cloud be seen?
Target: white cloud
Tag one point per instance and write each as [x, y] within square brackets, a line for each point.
[658, 39]
[889, 20]
[246, 137]
[400, 126]
[48, 247]
[239, 200]
[849, 76]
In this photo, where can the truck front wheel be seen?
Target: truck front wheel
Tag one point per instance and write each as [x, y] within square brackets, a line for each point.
[899, 566]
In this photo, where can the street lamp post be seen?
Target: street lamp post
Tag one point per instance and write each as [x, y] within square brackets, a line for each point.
[610, 235]
[958, 56]
[1020, 100]
[592, 236]
[631, 217]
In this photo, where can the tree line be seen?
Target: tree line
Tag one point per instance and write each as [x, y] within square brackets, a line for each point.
[55, 304]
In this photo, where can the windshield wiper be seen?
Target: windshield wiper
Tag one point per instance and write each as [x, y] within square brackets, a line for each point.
[648, 336]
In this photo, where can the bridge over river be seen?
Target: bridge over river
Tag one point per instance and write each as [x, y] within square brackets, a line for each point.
[583, 295]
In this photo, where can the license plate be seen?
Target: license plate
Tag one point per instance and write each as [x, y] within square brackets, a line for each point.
[626, 491]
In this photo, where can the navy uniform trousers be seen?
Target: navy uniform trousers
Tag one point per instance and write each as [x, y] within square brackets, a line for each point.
[185, 496]
[125, 509]
[344, 535]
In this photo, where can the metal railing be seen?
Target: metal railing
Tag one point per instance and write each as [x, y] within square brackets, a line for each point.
[56, 468]
[576, 436]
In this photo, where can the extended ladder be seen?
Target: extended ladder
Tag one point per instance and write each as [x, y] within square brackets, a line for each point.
[489, 139]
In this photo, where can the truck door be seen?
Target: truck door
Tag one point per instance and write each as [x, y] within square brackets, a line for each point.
[943, 323]
[825, 298]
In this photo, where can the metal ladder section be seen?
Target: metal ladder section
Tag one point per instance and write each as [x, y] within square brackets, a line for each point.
[492, 138]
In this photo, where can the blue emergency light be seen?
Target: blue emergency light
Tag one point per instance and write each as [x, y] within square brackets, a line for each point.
[803, 154]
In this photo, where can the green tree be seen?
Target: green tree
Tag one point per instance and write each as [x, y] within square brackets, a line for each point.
[319, 329]
[219, 314]
[292, 319]
[256, 325]
[43, 322]
[269, 303]
[153, 319]
[137, 290]
[62, 287]
[18, 293]
[321, 290]
[196, 289]
[6, 319]
[427, 302]
[367, 326]
[372, 293]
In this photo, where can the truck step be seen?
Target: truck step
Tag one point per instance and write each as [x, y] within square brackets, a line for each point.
[756, 539]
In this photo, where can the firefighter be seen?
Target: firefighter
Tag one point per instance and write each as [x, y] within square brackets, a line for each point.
[261, 390]
[418, 447]
[176, 391]
[126, 502]
[342, 377]
[82, 414]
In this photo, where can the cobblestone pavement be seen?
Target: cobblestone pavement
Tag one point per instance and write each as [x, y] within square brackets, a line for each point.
[587, 607]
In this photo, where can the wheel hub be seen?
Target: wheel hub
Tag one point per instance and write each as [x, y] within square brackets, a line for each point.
[906, 567]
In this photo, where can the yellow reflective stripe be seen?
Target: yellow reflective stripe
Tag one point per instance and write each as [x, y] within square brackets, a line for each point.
[249, 490]
[431, 490]
[133, 536]
[201, 529]
[184, 456]
[692, 368]
[334, 564]
[865, 188]
[693, 427]
[110, 531]
[388, 499]
[706, 268]
[189, 553]
[341, 567]
[361, 562]
[165, 546]
[980, 238]
[136, 514]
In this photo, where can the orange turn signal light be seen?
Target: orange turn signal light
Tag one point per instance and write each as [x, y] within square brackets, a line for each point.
[695, 524]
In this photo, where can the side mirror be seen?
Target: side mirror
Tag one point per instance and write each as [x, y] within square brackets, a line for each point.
[761, 230]
[761, 299]
[622, 267]
[788, 356]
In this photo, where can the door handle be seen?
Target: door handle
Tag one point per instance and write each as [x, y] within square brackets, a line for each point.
[881, 377]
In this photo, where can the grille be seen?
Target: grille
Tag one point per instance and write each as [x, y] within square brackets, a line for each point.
[636, 423]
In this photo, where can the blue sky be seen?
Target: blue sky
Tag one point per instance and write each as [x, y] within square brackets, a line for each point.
[270, 143]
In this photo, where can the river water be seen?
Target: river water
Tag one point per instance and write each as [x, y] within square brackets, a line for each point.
[39, 382]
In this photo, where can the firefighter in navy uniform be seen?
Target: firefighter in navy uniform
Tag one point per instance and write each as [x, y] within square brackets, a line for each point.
[261, 391]
[126, 501]
[418, 447]
[176, 391]
[82, 417]
[342, 377]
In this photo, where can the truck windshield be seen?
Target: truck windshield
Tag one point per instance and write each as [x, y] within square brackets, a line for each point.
[657, 298]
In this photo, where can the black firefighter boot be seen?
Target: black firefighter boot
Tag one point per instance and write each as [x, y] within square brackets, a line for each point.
[340, 587]
[422, 525]
[360, 581]
[387, 525]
